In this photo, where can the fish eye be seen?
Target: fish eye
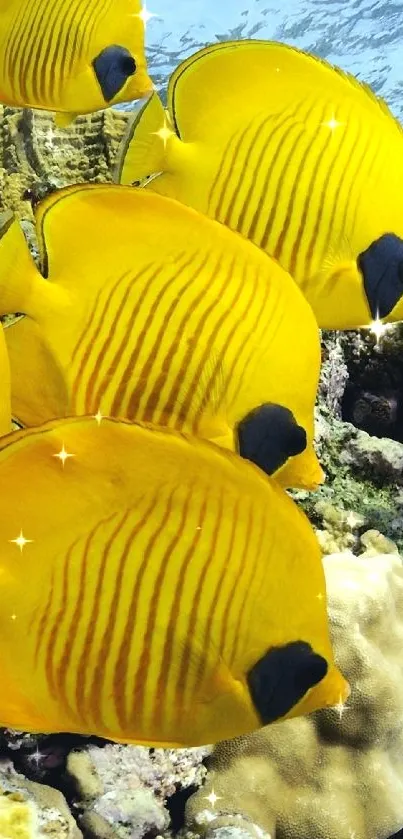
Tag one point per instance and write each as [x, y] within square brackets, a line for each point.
[128, 65]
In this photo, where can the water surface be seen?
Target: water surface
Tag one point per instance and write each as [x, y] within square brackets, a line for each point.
[361, 36]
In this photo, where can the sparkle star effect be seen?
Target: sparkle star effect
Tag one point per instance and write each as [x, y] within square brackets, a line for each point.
[213, 798]
[21, 541]
[36, 757]
[378, 329]
[332, 124]
[63, 455]
[352, 520]
[164, 133]
[98, 417]
[341, 707]
[145, 15]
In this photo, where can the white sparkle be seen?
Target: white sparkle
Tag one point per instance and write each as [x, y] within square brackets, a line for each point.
[340, 708]
[378, 328]
[164, 133]
[63, 455]
[212, 798]
[21, 541]
[36, 756]
[145, 15]
[352, 520]
[98, 417]
[13, 617]
[332, 124]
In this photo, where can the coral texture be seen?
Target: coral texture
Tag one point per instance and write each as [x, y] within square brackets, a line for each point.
[123, 790]
[32, 811]
[338, 773]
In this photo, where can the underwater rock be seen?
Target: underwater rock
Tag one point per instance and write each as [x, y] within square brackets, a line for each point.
[375, 543]
[339, 528]
[337, 773]
[125, 790]
[333, 375]
[352, 486]
[379, 459]
[373, 398]
[36, 157]
[32, 811]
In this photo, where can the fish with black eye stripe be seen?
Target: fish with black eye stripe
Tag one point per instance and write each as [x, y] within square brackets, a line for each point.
[71, 56]
[172, 594]
[298, 156]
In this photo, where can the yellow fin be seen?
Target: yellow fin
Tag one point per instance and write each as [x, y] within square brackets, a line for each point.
[144, 151]
[63, 120]
[233, 78]
[22, 288]
[5, 406]
[38, 386]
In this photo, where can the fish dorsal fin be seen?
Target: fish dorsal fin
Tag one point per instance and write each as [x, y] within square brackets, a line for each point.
[72, 222]
[142, 151]
[216, 86]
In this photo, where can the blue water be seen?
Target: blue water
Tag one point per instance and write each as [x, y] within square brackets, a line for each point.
[361, 36]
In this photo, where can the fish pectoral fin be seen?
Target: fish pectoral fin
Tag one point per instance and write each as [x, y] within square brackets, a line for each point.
[143, 151]
[381, 266]
[38, 384]
[282, 677]
[63, 120]
[269, 435]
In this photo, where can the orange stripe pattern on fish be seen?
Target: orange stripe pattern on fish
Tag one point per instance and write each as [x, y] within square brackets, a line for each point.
[151, 311]
[71, 56]
[166, 592]
[298, 156]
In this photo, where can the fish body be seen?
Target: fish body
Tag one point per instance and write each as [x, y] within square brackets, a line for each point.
[71, 56]
[168, 593]
[298, 156]
[154, 312]
[5, 387]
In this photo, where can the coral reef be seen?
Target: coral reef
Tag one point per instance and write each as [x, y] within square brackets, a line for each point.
[36, 157]
[338, 773]
[127, 792]
[32, 811]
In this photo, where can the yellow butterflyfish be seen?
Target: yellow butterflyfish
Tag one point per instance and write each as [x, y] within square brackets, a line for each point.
[71, 56]
[298, 156]
[154, 589]
[146, 309]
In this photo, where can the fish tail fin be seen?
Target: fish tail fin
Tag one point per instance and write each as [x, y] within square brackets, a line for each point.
[19, 276]
[147, 144]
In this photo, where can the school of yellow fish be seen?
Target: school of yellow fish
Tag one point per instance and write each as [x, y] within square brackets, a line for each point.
[157, 584]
